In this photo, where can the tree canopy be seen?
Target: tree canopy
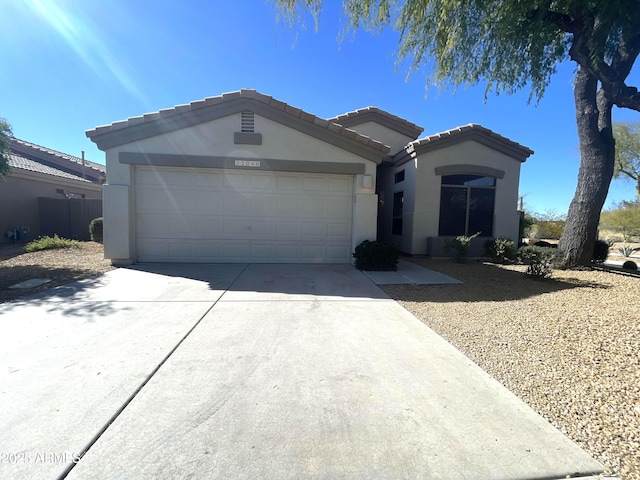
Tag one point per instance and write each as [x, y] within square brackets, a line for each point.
[627, 135]
[515, 44]
[6, 133]
[509, 44]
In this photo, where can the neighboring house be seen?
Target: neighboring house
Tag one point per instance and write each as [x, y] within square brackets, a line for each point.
[44, 191]
[243, 177]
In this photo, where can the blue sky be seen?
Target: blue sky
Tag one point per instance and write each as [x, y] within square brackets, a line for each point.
[71, 65]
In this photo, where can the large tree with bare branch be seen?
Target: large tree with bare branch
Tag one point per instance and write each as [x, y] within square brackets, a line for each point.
[514, 44]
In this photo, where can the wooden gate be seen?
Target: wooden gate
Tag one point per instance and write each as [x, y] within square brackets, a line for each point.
[68, 218]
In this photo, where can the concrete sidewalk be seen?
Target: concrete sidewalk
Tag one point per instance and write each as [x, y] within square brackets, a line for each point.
[409, 273]
[253, 371]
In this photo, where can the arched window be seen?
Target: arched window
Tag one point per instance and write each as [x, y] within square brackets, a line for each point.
[466, 205]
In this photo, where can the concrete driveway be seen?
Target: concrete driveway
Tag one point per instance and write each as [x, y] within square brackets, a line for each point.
[252, 371]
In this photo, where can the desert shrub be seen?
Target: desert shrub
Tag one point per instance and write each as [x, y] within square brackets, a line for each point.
[611, 241]
[626, 250]
[600, 251]
[630, 265]
[539, 260]
[500, 250]
[50, 243]
[458, 248]
[375, 255]
[96, 229]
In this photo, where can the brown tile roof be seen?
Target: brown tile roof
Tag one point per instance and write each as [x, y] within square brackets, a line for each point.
[471, 131]
[210, 108]
[378, 115]
[56, 160]
[22, 163]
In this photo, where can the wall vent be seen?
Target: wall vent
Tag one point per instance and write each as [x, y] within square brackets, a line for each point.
[247, 122]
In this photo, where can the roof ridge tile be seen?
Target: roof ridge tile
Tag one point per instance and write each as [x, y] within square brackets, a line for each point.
[246, 94]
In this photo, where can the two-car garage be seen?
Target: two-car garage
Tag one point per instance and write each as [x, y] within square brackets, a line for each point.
[212, 215]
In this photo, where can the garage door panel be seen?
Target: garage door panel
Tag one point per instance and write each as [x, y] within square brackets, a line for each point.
[288, 206]
[262, 229]
[233, 228]
[237, 181]
[339, 208]
[315, 229]
[152, 224]
[209, 179]
[163, 201]
[181, 250]
[287, 229]
[338, 230]
[209, 251]
[313, 253]
[341, 184]
[235, 204]
[262, 252]
[314, 207]
[288, 182]
[208, 202]
[262, 182]
[262, 205]
[315, 184]
[208, 227]
[165, 177]
[203, 216]
[338, 252]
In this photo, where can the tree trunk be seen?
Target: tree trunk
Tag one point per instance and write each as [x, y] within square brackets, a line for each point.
[597, 152]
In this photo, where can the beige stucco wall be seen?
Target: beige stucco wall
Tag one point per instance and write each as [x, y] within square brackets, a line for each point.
[19, 193]
[216, 138]
[425, 215]
[421, 189]
[388, 136]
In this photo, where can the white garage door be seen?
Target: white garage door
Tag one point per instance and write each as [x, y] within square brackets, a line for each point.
[205, 215]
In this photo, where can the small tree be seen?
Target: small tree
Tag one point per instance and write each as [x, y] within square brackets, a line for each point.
[624, 219]
[627, 135]
[6, 134]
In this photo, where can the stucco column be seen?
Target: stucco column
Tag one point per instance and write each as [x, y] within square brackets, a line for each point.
[117, 224]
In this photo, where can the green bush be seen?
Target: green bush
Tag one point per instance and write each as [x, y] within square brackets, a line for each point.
[50, 243]
[458, 248]
[500, 250]
[96, 229]
[600, 251]
[377, 256]
[539, 260]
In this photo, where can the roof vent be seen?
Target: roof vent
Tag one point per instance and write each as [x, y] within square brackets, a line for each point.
[247, 122]
[247, 134]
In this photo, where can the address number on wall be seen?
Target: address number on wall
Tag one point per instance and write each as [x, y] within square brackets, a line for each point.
[247, 163]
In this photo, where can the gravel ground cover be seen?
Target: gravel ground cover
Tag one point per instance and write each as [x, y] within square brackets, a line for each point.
[568, 346]
[60, 266]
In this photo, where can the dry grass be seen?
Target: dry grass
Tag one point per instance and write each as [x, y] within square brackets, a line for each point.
[568, 346]
[60, 266]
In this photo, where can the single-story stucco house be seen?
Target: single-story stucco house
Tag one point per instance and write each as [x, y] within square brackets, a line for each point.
[243, 177]
[48, 192]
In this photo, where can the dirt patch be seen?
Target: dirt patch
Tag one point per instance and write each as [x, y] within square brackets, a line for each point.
[60, 266]
[568, 346]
